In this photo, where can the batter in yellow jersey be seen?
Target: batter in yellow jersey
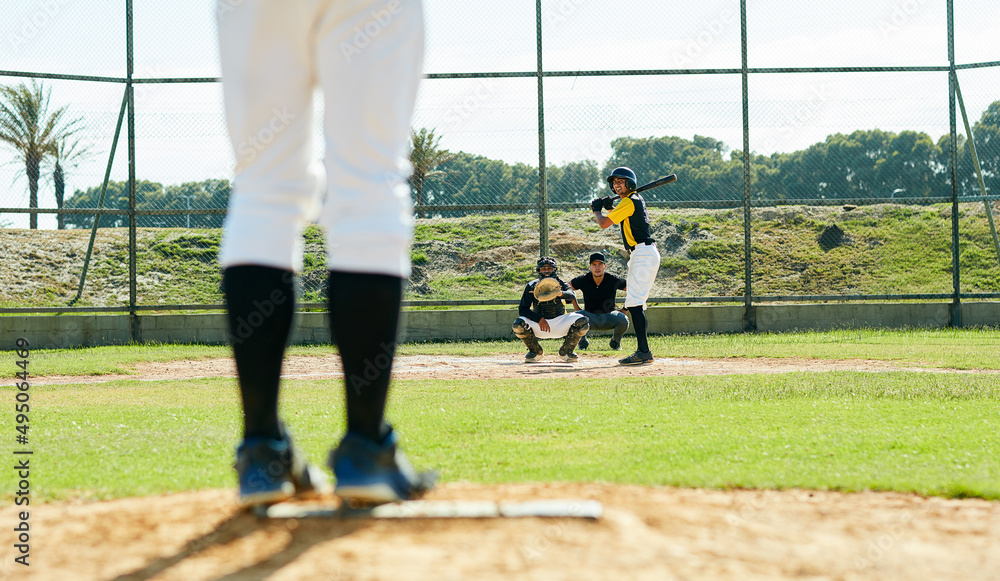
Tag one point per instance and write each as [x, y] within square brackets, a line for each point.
[644, 258]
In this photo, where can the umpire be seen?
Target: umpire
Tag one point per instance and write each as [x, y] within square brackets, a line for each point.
[599, 289]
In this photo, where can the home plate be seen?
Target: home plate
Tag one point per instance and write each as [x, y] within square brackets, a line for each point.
[432, 509]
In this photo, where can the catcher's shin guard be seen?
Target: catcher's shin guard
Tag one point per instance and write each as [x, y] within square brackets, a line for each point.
[576, 332]
[523, 332]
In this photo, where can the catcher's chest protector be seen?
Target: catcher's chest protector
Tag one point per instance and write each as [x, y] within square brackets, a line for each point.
[551, 309]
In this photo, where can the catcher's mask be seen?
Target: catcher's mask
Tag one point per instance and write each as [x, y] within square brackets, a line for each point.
[543, 262]
[622, 172]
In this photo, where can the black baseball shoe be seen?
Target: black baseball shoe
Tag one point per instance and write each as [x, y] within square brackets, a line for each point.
[583, 344]
[371, 473]
[616, 345]
[569, 357]
[271, 471]
[532, 357]
[637, 358]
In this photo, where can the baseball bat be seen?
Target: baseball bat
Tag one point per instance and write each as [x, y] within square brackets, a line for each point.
[657, 183]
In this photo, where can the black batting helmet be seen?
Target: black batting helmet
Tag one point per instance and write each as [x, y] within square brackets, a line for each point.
[623, 172]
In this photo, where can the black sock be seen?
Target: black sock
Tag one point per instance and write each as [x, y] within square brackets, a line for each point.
[261, 305]
[639, 324]
[364, 319]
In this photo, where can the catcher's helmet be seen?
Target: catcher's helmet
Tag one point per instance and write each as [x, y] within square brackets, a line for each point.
[623, 172]
[546, 261]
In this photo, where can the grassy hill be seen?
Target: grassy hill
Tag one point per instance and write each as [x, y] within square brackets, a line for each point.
[878, 249]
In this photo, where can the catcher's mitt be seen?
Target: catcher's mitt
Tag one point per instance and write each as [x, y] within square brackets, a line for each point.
[547, 289]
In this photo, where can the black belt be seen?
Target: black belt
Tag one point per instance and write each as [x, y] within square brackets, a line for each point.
[644, 244]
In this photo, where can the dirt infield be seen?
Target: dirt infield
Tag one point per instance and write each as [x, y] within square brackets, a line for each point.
[659, 534]
[509, 366]
[654, 533]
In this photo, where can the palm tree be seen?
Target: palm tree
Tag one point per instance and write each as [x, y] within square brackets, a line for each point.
[27, 126]
[425, 157]
[67, 152]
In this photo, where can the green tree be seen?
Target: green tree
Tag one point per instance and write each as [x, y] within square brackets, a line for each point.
[28, 126]
[705, 173]
[578, 181]
[115, 198]
[212, 194]
[909, 165]
[194, 195]
[864, 164]
[425, 156]
[987, 134]
[67, 153]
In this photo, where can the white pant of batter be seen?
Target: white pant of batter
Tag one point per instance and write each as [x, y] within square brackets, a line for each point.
[643, 264]
[366, 57]
[558, 327]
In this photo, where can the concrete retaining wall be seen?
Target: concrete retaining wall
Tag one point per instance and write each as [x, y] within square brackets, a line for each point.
[65, 331]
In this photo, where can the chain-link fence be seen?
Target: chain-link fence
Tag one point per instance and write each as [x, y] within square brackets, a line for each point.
[821, 150]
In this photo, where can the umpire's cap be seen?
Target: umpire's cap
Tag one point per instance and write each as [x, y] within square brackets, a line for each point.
[597, 256]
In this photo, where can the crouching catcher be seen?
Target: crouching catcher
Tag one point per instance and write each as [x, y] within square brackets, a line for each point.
[543, 314]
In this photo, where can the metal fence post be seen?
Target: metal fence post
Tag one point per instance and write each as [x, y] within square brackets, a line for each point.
[132, 235]
[956, 302]
[543, 213]
[749, 316]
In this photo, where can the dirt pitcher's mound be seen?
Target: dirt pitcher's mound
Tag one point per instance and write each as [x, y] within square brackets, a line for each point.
[660, 534]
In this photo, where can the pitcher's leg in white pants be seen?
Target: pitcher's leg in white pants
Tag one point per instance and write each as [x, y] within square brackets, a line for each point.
[368, 211]
[268, 97]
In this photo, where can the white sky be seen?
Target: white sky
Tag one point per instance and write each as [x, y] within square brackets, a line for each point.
[181, 136]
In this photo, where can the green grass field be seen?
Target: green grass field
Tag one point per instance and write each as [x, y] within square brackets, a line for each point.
[929, 433]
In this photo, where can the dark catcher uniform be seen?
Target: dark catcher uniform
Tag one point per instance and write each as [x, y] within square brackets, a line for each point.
[531, 311]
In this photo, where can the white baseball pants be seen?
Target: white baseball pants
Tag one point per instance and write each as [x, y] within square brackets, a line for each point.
[558, 327]
[366, 57]
[643, 264]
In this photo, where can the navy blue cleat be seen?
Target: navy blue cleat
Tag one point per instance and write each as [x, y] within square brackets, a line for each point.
[370, 473]
[272, 471]
[637, 358]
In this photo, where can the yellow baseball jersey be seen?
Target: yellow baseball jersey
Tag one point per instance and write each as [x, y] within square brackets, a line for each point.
[631, 214]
